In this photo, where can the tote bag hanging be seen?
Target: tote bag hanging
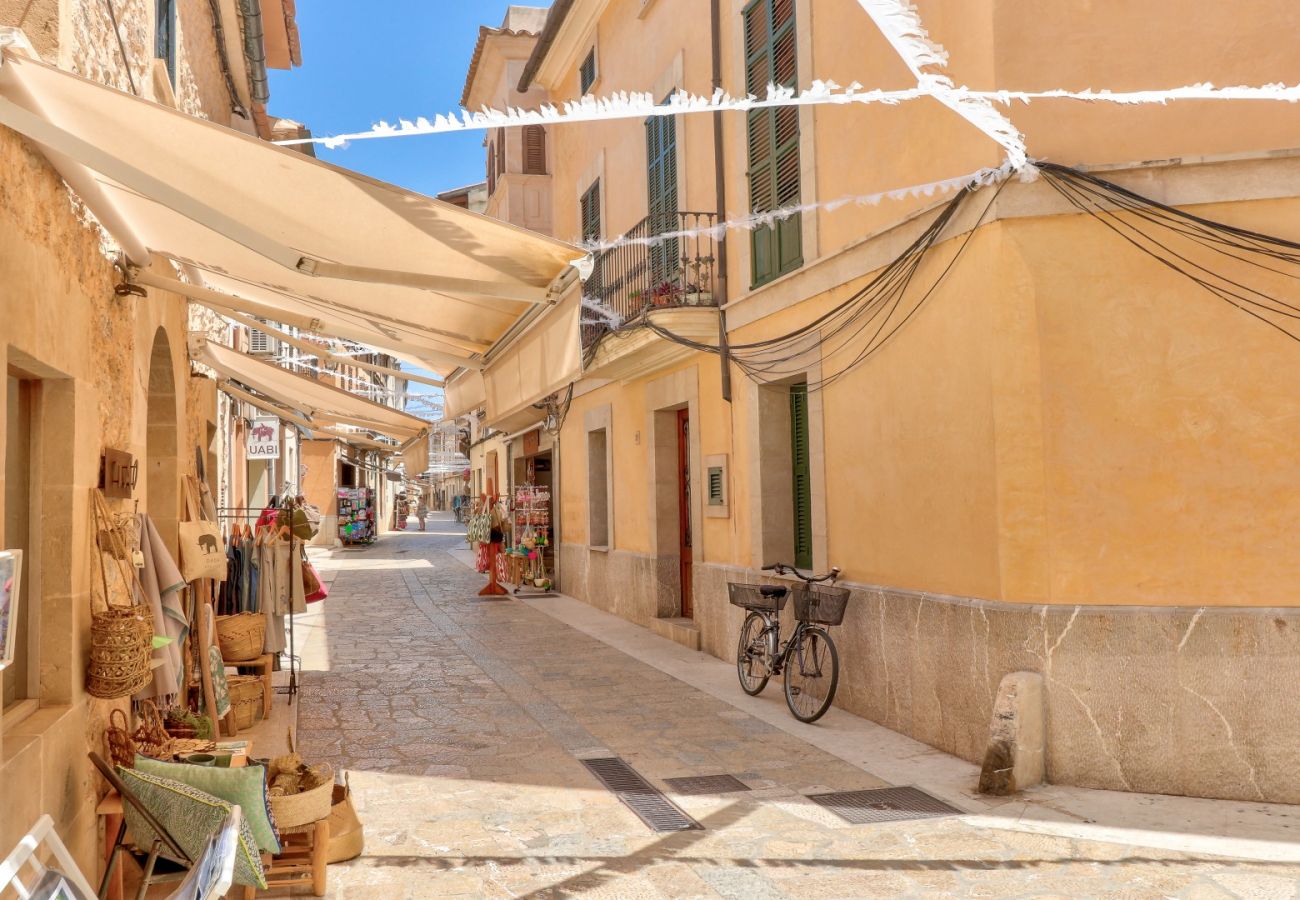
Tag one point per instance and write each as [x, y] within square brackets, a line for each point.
[202, 554]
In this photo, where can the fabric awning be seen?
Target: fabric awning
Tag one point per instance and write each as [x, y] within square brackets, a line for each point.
[279, 233]
[463, 393]
[320, 403]
[316, 431]
[545, 358]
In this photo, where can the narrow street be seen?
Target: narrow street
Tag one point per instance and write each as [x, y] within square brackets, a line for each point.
[462, 722]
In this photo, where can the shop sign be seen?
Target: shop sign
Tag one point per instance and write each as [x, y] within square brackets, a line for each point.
[264, 439]
[118, 473]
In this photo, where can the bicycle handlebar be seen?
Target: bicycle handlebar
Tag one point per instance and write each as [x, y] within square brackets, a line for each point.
[784, 568]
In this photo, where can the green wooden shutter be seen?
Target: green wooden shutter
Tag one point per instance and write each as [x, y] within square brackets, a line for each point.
[589, 206]
[773, 138]
[661, 188]
[587, 71]
[800, 476]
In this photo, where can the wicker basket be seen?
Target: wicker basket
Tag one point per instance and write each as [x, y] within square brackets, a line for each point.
[121, 749]
[292, 810]
[241, 636]
[120, 651]
[151, 737]
[245, 699]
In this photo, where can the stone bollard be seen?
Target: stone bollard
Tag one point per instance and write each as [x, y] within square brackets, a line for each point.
[1015, 758]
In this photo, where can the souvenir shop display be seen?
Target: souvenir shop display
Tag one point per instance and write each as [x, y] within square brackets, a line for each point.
[356, 515]
[530, 538]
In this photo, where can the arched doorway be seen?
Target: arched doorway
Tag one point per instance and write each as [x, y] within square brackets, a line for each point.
[162, 487]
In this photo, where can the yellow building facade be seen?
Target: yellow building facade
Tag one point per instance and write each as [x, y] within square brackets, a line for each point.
[1069, 459]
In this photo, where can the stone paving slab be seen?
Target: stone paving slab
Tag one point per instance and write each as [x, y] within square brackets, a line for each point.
[462, 722]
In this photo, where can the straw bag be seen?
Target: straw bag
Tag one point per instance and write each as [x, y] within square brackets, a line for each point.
[347, 839]
[241, 636]
[202, 555]
[121, 634]
[151, 737]
[245, 699]
[121, 749]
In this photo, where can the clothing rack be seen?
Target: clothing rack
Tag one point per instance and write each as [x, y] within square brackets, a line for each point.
[254, 513]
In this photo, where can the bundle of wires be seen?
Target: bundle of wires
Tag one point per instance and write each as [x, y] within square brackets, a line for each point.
[859, 326]
[1178, 239]
[856, 328]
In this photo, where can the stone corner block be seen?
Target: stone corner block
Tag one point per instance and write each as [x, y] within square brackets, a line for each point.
[1015, 757]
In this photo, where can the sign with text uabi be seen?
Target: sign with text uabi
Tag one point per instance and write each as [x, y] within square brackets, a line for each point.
[264, 439]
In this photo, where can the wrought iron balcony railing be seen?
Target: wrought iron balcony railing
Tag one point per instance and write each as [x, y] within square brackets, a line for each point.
[668, 262]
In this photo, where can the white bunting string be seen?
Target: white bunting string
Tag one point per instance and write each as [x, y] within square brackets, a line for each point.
[981, 178]
[625, 105]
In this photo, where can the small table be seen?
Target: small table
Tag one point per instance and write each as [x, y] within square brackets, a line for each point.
[301, 859]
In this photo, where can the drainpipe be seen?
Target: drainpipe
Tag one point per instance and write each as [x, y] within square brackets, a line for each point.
[220, 32]
[255, 49]
[720, 202]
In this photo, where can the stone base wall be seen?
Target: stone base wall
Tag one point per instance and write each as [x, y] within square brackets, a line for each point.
[1171, 700]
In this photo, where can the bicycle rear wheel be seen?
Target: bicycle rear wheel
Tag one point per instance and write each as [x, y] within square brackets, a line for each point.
[812, 672]
[751, 656]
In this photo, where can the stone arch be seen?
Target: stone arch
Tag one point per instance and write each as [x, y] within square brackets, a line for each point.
[162, 475]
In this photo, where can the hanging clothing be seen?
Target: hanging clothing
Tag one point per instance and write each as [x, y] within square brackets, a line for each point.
[162, 582]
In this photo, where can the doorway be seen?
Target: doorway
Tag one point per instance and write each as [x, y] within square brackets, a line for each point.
[684, 511]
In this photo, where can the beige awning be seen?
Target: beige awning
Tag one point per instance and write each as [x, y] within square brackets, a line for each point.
[319, 402]
[463, 393]
[544, 358]
[360, 441]
[279, 233]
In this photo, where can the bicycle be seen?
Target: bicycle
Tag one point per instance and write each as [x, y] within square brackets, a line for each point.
[809, 661]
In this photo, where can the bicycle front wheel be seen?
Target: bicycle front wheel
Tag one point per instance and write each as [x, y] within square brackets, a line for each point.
[751, 656]
[812, 672]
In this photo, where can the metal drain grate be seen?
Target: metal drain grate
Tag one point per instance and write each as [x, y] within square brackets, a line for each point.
[706, 784]
[638, 795]
[893, 804]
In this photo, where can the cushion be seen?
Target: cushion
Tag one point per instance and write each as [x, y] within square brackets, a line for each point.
[243, 785]
[191, 816]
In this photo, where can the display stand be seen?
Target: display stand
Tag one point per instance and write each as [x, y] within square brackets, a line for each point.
[531, 527]
[356, 516]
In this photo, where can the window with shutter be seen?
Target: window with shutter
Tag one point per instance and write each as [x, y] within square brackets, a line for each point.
[491, 167]
[590, 209]
[587, 72]
[501, 153]
[534, 150]
[165, 35]
[661, 182]
[260, 341]
[773, 138]
[800, 476]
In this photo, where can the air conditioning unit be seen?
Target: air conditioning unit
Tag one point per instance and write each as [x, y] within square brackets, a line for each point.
[261, 343]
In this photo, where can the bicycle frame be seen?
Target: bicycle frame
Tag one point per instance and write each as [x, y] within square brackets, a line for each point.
[777, 654]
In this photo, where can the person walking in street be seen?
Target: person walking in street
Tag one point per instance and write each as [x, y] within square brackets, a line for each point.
[421, 510]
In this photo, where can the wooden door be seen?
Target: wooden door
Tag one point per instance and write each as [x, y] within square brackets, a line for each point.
[684, 509]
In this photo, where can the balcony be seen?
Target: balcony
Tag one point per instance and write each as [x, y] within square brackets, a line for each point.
[665, 265]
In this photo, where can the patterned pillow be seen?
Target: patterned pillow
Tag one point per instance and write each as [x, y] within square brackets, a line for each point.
[191, 816]
[242, 785]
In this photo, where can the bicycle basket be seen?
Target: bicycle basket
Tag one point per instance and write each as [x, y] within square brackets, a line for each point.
[752, 596]
[821, 604]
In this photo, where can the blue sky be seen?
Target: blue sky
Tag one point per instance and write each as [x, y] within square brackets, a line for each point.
[400, 59]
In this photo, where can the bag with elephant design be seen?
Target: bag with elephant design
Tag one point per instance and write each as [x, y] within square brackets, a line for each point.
[202, 554]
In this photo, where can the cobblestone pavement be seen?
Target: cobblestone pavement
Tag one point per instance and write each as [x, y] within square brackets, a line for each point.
[462, 721]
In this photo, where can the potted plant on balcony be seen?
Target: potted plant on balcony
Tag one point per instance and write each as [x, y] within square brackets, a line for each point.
[665, 294]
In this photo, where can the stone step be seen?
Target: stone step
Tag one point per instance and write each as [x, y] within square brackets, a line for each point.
[683, 631]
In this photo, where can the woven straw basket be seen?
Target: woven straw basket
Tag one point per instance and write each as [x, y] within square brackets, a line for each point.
[120, 650]
[151, 737]
[245, 699]
[241, 636]
[293, 810]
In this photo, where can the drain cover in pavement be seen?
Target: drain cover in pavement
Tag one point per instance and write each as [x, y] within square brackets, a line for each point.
[638, 795]
[895, 804]
[706, 784]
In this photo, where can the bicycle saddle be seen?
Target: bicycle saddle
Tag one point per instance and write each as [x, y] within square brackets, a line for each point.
[772, 590]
